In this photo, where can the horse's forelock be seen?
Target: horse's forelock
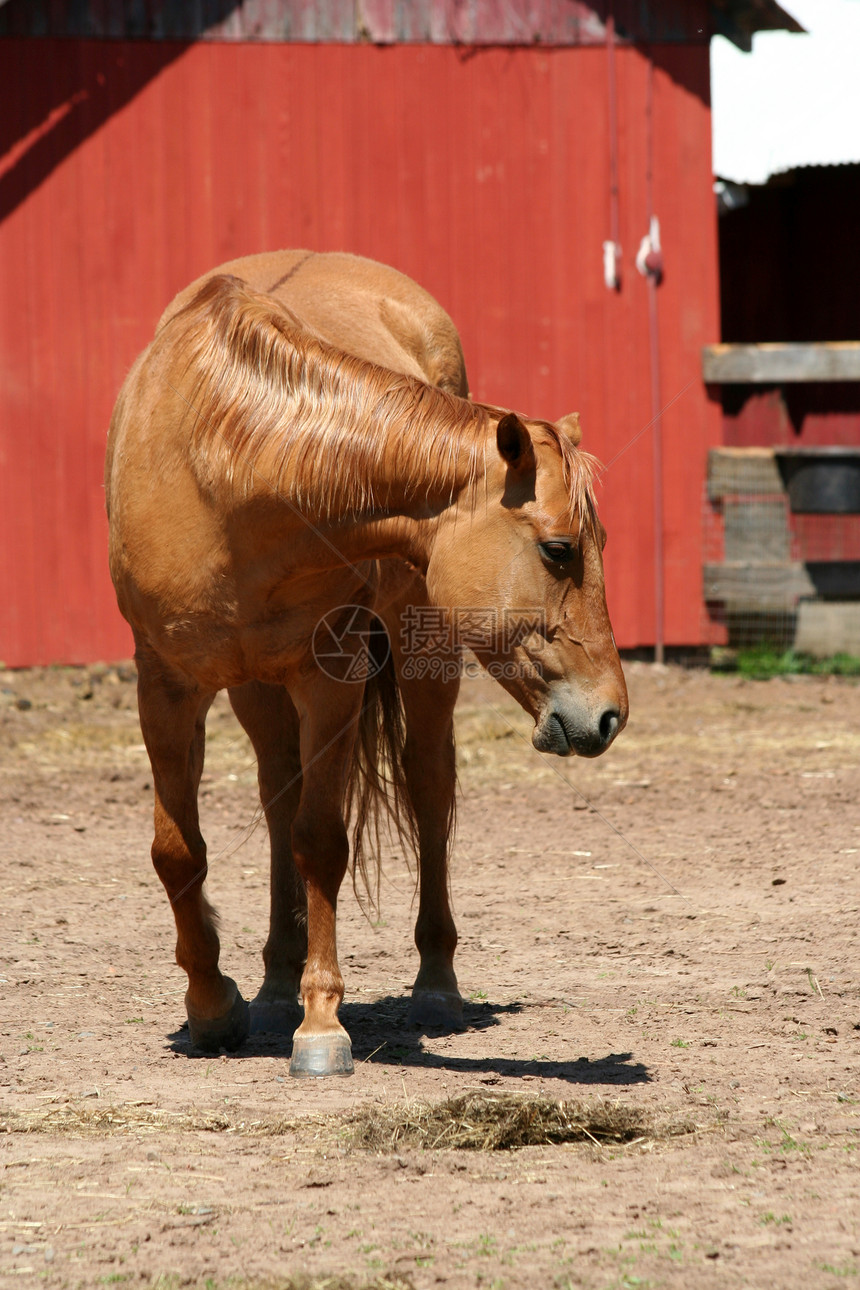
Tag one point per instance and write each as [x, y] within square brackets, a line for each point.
[579, 471]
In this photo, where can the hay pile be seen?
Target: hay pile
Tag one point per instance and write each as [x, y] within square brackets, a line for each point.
[493, 1122]
[477, 1121]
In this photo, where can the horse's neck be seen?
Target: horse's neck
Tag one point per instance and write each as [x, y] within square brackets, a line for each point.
[339, 440]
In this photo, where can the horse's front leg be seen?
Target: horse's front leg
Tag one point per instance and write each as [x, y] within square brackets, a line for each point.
[428, 764]
[328, 718]
[429, 685]
[429, 767]
[172, 719]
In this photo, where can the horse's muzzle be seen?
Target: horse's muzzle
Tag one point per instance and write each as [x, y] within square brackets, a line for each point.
[564, 731]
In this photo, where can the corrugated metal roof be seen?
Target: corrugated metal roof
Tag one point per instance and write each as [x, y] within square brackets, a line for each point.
[794, 101]
[440, 22]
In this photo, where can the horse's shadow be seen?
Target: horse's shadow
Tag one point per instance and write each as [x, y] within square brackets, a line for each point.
[381, 1035]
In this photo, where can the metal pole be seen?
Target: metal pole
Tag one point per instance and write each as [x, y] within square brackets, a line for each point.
[653, 280]
[656, 409]
[614, 217]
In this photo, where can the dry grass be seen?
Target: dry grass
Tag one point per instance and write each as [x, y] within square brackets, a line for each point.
[472, 1122]
[385, 1281]
[488, 1122]
[73, 1118]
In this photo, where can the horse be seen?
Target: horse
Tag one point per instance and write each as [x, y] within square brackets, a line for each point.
[306, 509]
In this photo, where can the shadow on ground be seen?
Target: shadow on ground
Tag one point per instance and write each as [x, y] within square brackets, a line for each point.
[381, 1035]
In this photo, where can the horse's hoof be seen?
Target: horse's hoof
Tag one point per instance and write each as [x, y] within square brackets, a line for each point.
[436, 1010]
[210, 1034]
[318, 1055]
[275, 1016]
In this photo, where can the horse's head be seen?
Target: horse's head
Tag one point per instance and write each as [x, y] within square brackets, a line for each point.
[519, 561]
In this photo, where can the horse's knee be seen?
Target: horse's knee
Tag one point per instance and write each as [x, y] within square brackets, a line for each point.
[179, 861]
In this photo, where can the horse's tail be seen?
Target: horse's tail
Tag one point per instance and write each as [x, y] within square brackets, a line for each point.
[376, 790]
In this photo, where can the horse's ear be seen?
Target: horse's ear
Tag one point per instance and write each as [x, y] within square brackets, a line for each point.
[569, 426]
[514, 443]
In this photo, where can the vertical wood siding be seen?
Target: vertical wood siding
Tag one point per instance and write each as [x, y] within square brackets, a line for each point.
[127, 169]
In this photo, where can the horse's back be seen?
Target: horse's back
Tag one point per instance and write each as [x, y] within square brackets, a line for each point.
[364, 308]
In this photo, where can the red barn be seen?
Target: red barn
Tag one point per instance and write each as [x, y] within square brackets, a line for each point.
[489, 150]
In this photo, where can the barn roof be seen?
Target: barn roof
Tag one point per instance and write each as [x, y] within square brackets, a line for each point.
[458, 22]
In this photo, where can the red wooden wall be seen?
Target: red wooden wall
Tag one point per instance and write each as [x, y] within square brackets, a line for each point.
[128, 168]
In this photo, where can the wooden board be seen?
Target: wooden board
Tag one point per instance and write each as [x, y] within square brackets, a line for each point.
[745, 586]
[757, 585]
[777, 363]
[740, 471]
[756, 531]
[825, 629]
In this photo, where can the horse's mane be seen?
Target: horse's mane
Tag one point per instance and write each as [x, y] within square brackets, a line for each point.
[268, 402]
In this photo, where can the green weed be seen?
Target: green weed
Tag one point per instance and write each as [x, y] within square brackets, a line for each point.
[762, 662]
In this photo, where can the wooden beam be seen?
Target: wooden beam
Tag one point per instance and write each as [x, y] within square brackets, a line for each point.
[754, 588]
[774, 364]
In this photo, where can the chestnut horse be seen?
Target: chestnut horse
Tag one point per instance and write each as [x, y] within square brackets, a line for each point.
[296, 485]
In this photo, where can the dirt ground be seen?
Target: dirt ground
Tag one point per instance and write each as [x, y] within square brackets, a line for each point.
[671, 928]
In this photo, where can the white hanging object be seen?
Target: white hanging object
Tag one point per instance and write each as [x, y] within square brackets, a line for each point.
[649, 259]
[612, 265]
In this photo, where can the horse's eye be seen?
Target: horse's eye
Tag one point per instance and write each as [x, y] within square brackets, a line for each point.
[556, 551]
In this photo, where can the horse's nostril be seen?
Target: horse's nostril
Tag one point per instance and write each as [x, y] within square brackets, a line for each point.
[609, 724]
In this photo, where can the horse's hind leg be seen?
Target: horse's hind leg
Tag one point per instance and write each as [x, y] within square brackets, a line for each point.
[329, 712]
[270, 719]
[172, 719]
